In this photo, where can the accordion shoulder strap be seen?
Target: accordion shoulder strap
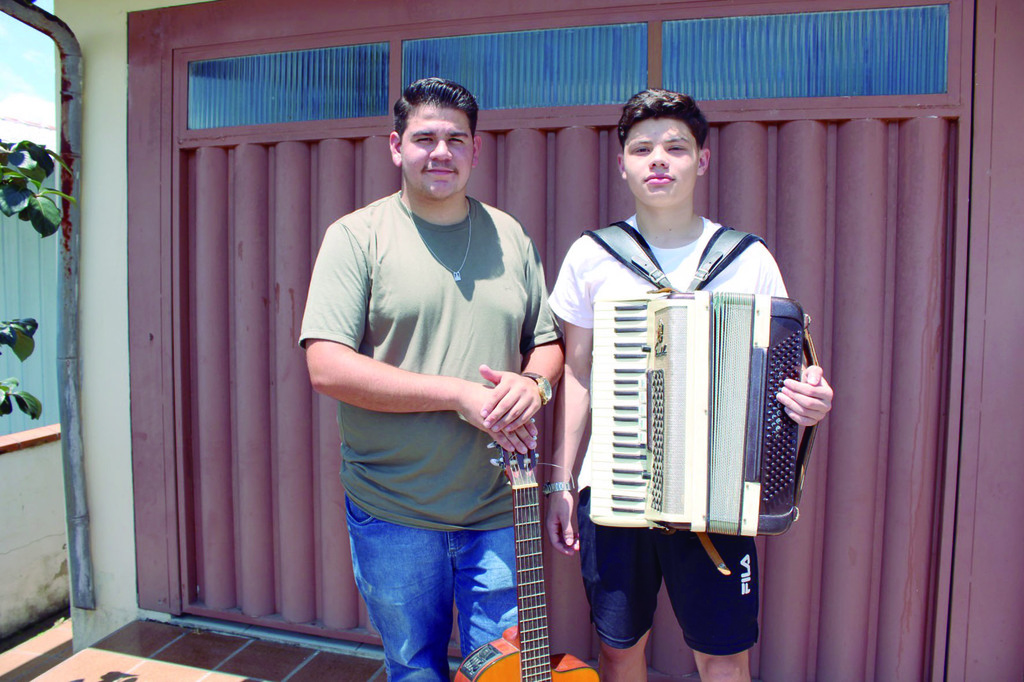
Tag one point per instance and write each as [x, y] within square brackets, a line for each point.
[628, 246]
[722, 249]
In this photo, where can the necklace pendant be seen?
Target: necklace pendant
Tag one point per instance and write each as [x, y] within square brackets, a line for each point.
[457, 275]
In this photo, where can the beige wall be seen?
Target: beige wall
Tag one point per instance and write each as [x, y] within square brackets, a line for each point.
[33, 547]
[101, 28]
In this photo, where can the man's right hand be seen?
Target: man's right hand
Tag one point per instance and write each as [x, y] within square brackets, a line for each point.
[561, 522]
[471, 406]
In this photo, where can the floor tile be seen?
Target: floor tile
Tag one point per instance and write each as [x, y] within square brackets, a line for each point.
[93, 664]
[266, 660]
[337, 668]
[13, 659]
[201, 649]
[159, 671]
[49, 642]
[224, 677]
[157, 652]
[141, 638]
[17, 666]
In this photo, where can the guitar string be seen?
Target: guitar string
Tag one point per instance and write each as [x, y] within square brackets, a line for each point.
[535, 653]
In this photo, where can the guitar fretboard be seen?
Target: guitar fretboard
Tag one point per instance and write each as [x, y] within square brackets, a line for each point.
[535, 654]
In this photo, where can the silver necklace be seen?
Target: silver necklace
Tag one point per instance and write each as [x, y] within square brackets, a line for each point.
[457, 274]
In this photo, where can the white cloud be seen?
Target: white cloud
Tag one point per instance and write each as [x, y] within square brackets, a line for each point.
[25, 117]
[28, 108]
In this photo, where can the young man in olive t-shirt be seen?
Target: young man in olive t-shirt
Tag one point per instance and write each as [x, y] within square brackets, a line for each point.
[427, 320]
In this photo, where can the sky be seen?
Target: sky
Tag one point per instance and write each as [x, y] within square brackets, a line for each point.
[27, 78]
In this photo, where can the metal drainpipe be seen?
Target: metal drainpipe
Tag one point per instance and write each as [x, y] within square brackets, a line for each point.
[69, 379]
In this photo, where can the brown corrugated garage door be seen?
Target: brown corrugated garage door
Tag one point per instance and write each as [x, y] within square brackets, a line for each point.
[239, 508]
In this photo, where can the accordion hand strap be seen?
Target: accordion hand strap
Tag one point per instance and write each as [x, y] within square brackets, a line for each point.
[803, 454]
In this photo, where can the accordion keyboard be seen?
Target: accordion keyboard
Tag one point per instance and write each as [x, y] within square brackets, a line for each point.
[619, 409]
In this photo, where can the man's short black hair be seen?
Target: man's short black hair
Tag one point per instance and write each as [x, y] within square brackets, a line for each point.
[656, 103]
[437, 92]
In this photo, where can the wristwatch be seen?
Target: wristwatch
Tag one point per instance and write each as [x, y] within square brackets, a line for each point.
[557, 486]
[543, 385]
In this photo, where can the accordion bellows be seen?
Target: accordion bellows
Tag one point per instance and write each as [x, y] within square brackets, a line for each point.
[686, 430]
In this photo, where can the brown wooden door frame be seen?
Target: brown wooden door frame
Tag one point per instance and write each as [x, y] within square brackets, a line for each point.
[161, 42]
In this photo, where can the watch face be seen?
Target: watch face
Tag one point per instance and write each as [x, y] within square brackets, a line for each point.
[545, 389]
[543, 385]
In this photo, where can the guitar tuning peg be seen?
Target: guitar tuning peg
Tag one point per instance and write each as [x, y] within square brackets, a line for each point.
[496, 462]
[493, 444]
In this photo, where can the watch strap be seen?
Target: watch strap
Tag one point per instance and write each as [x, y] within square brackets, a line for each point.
[557, 486]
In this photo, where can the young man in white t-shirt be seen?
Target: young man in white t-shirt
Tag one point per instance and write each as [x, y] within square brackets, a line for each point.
[662, 135]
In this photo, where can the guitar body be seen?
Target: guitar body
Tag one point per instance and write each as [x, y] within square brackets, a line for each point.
[499, 661]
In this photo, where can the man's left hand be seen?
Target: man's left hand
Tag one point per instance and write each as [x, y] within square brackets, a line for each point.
[807, 401]
[516, 399]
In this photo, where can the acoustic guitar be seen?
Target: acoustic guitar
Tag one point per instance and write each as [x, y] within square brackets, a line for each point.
[522, 653]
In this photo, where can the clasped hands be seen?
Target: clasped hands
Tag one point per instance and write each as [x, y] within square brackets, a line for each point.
[504, 410]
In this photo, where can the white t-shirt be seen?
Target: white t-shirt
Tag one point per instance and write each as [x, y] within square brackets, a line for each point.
[589, 272]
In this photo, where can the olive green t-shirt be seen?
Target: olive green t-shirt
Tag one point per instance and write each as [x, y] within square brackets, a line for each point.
[383, 285]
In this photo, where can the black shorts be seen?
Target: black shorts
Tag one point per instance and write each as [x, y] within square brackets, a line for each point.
[623, 569]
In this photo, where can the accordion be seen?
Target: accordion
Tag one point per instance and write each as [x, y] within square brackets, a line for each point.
[686, 431]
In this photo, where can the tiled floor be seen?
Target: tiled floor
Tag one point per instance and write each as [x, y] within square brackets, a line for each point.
[157, 652]
[37, 655]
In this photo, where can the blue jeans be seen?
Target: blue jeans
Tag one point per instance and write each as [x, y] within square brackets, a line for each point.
[409, 578]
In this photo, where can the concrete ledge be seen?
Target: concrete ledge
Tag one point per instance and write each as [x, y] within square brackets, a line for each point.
[30, 438]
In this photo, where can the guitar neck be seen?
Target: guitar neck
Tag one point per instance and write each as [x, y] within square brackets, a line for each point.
[535, 654]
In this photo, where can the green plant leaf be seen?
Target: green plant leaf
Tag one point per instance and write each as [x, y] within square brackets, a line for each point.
[29, 167]
[24, 346]
[28, 403]
[40, 155]
[21, 159]
[48, 191]
[27, 325]
[14, 199]
[25, 401]
[7, 386]
[18, 335]
[44, 214]
[58, 159]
